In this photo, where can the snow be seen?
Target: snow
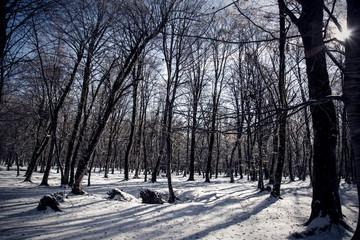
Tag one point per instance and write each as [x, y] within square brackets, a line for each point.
[216, 210]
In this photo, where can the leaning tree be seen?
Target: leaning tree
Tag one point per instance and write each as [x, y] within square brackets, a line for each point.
[135, 25]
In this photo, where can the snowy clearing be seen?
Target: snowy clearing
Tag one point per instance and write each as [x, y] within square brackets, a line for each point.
[216, 210]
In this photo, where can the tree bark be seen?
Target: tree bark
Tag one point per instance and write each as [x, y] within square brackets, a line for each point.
[283, 113]
[308, 151]
[326, 199]
[45, 178]
[193, 140]
[352, 87]
[132, 129]
[160, 155]
[211, 145]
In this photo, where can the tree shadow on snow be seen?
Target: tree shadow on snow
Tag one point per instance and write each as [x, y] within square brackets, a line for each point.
[235, 221]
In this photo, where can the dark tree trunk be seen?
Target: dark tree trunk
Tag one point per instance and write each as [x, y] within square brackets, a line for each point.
[90, 168]
[326, 199]
[283, 113]
[275, 151]
[261, 166]
[35, 158]
[241, 171]
[231, 161]
[352, 88]
[138, 146]
[109, 159]
[45, 179]
[193, 142]
[132, 130]
[84, 160]
[144, 149]
[80, 110]
[172, 197]
[77, 148]
[211, 147]
[112, 99]
[290, 157]
[159, 158]
[217, 155]
[308, 151]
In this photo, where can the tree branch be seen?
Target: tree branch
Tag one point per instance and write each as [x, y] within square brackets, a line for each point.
[288, 12]
[337, 63]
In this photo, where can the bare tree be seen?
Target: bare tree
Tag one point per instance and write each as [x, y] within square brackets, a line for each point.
[15, 23]
[220, 53]
[55, 96]
[138, 23]
[93, 37]
[175, 49]
[196, 84]
[136, 73]
[283, 105]
[326, 199]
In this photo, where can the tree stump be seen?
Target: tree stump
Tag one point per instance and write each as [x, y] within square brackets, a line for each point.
[48, 201]
[120, 195]
[151, 197]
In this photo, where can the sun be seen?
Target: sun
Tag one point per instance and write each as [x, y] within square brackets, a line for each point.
[342, 35]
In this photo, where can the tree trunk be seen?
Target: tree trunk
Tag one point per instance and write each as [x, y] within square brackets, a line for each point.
[352, 88]
[326, 199]
[132, 130]
[211, 147]
[212, 134]
[241, 171]
[283, 113]
[35, 158]
[308, 151]
[80, 110]
[193, 142]
[261, 164]
[161, 146]
[77, 148]
[138, 146]
[44, 181]
[84, 160]
[144, 148]
[112, 99]
[90, 168]
[172, 197]
[231, 161]
[275, 152]
[109, 148]
[290, 157]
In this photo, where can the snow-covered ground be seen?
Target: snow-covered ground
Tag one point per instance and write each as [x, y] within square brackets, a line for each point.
[216, 210]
